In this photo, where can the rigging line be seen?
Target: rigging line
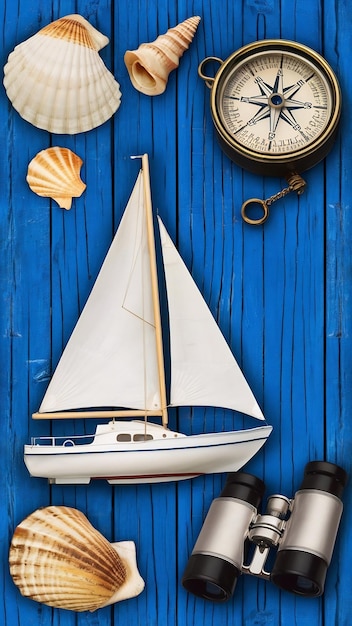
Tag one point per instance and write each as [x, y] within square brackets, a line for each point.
[138, 256]
[139, 317]
[136, 251]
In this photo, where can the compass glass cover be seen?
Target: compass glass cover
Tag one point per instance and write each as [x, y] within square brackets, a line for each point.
[275, 103]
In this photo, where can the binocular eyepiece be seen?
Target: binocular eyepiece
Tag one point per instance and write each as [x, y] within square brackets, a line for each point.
[302, 529]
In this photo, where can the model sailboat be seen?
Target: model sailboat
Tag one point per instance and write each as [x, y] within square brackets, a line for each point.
[114, 358]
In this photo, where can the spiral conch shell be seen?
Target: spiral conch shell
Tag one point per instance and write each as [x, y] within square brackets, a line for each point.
[57, 81]
[150, 65]
[55, 173]
[58, 558]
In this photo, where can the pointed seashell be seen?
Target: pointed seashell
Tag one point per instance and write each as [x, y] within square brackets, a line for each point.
[150, 65]
[57, 81]
[55, 173]
[58, 558]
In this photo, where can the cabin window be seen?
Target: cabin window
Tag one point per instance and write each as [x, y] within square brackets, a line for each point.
[142, 437]
[123, 437]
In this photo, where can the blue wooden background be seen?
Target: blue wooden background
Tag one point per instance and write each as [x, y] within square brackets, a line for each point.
[281, 294]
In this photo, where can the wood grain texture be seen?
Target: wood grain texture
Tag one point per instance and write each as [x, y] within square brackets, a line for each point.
[281, 295]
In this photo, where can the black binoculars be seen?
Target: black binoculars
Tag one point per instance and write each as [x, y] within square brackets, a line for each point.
[302, 529]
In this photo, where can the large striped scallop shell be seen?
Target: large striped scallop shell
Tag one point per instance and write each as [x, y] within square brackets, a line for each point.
[150, 65]
[55, 173]
[59, 559]
[57, 81]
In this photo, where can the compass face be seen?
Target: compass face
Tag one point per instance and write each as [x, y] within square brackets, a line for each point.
[275, 103]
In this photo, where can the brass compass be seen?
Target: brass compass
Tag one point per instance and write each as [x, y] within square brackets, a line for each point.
[275, 105]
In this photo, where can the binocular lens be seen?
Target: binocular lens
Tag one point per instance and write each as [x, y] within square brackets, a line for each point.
[216, 561]
[299, 572]
[303, 586]
[210, 591]
[299, 585]
[210, 577]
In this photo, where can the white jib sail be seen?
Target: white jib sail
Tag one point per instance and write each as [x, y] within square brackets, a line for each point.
[104, 362]
[204, 371]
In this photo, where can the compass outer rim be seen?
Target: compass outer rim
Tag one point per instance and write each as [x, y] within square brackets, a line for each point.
[278, 164]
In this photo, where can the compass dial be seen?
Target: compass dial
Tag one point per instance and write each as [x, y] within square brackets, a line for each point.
[275, 106]
[275, 103]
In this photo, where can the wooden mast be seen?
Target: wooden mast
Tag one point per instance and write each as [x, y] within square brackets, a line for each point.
[155, 288]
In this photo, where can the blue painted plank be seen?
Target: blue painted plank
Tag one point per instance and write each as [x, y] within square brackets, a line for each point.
[338, 603]
[25, 293]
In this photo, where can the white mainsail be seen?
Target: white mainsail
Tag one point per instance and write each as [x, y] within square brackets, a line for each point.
[204, 371]
[104, 362]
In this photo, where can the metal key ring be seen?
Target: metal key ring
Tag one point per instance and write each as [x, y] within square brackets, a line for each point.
[209, 80]
[255, 201]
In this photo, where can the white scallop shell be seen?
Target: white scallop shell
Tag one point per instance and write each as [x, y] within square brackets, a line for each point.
[57, 81]
[55, 173]
[58, 558]
[150, 65]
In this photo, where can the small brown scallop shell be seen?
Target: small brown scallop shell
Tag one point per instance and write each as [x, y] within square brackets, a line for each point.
[58, 558]
[55, 173]
[150, 65]
[57, 81]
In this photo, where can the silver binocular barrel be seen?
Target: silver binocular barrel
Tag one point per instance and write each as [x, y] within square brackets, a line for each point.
[302, 529]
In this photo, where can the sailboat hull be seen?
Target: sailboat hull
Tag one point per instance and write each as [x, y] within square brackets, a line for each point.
[164, 456]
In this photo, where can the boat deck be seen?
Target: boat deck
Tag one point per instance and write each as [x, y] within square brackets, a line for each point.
[281, 294]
